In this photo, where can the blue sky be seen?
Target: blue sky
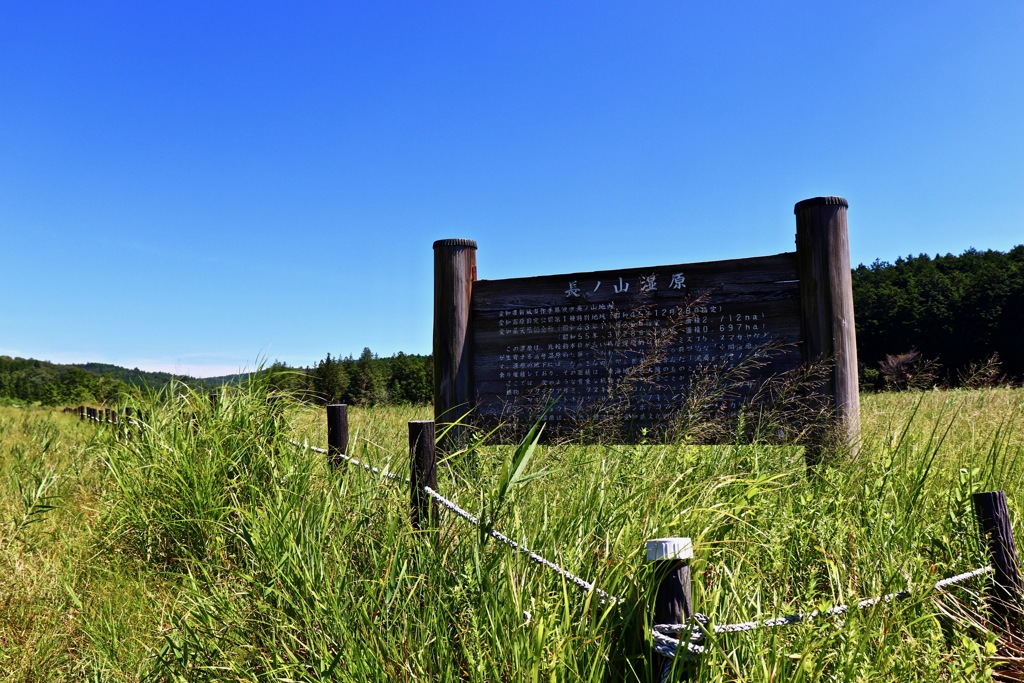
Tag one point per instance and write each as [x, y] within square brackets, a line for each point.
[193, 186]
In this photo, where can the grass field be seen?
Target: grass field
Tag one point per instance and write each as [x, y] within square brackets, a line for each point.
[206, 548]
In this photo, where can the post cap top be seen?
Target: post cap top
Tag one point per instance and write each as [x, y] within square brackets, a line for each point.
[821, 201]
[669, 549]
[457, 242]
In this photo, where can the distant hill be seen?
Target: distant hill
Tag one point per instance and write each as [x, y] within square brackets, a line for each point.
[226, 379]
[27, 380]
[134, 377]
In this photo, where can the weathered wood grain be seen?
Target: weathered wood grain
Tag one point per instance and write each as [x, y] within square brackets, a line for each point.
[636, 337]
[454, 275]
[826, 292]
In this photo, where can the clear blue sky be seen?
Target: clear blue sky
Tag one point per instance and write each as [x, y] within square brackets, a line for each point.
[191, 186]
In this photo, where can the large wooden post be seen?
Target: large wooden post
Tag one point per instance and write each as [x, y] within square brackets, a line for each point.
[454, 274]
[673, 602]
[826, 304]
[1005, 600]
[337, 432]
[423, 471]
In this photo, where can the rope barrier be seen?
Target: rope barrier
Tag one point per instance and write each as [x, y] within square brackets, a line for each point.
[580, 583]
[352, 461]
[697, 628]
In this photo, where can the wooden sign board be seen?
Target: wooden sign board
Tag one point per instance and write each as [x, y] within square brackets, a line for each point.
[629, 341]
[636, 347]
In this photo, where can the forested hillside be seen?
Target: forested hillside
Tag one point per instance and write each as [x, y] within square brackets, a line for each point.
[36, 381]
[954, 310]
[134, 377]
[367, 380]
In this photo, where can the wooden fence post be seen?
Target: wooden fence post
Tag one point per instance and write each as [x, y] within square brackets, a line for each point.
[996, 532]
[454, 274]
[826, 309]
[673, 602]
[81, 412]
[337, 432]
[423, 457]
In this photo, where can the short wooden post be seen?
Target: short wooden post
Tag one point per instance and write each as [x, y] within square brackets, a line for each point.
[454, 274]
[81, 412]
[673, 602]
[826, 309]
[337, 432]
[423, 457]
[106, 415]
[113, 416]
[993, 516]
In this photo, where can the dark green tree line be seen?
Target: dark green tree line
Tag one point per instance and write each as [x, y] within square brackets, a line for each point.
[955, 310]
[35, 381]
[367, 380]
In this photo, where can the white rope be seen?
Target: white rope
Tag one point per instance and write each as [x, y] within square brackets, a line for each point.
[666, 645]
[475, 521]
[518, 547]
[353, 461]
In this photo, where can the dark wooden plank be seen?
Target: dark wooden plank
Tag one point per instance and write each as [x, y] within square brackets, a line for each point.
[636, 338]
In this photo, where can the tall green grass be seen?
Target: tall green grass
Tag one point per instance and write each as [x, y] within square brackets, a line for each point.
[205, 547]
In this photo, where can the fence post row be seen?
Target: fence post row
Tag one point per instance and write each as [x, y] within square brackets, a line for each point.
[423, 460]
[454, 275]
[1007, 588]
[337, 432]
